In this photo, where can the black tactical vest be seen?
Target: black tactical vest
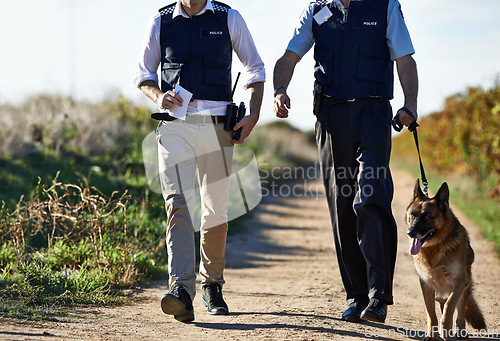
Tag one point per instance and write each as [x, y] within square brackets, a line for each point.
[196, 52]
[351, 52]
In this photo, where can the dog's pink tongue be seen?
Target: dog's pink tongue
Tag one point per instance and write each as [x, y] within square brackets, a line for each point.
[416, 245]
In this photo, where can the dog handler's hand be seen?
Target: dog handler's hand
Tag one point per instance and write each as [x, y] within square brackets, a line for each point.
[281, 105]
[168, 100]
[405, 118]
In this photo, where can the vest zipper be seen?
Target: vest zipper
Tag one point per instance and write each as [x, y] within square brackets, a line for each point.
[191, 37]
[345, 50]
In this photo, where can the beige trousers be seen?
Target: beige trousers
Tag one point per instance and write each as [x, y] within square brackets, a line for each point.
[186, 151]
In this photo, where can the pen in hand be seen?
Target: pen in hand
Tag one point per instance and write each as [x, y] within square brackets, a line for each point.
[177, 92]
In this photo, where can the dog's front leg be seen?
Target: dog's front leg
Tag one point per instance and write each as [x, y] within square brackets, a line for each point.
[449, 309]
[430, 305]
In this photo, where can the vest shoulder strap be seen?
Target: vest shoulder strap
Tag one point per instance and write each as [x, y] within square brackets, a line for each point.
[167, 9]
[219, 6]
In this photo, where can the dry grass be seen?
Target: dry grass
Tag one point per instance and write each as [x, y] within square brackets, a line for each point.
[56, 122]
[82, 230]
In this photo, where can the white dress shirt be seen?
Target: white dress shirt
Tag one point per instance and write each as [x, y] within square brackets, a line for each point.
[242, 43]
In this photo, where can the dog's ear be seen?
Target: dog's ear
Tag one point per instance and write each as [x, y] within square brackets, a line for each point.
[443, 197]
[417, 192]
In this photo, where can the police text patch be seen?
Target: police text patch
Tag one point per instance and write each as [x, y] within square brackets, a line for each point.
[212, 33]
[367, 23]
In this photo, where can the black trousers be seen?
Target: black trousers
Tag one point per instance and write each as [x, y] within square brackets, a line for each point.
[354, 143]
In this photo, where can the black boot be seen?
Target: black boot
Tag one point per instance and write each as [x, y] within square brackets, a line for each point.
[178, 303]
[376, 311]
[212, 299]
[353, 312]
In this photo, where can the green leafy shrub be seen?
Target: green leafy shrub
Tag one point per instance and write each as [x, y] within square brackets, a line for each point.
[462, 139]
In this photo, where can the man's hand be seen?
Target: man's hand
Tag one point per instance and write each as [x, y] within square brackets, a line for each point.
[405, 118]
[168, 99]
[281, 105]
[246, 124]
[164, 100]
[283, 71]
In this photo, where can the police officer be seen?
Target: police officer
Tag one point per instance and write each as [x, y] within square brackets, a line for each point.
[355, 44]
[193, 42]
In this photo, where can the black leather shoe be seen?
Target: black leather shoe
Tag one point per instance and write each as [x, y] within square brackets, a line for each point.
[178, 303]
[212, 299]
[376, 311]
[353, 312]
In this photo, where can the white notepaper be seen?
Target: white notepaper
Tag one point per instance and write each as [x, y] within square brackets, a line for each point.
[177, 111]
[323, 15]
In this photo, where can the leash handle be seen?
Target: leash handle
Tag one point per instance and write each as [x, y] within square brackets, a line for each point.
[398, 126]
[396, 123]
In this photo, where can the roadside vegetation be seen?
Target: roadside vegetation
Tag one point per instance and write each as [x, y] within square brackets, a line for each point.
[79, 224]
[461, 145]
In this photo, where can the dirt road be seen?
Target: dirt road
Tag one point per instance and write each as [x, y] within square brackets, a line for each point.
[283, 283]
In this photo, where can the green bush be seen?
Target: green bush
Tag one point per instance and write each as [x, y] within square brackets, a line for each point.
[462, 139]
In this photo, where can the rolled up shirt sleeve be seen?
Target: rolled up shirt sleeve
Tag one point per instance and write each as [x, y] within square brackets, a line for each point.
[150, 56]
[245, 49]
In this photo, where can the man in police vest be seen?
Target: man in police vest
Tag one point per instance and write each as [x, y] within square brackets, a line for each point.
[193, 42]
[355, 44]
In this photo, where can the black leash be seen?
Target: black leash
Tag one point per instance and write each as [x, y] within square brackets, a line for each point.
[398, 126]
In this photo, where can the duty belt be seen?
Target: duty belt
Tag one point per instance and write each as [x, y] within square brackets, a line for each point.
[327, 100]
[191, 119]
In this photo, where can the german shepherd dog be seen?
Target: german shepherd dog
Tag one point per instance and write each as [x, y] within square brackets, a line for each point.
[443, 257]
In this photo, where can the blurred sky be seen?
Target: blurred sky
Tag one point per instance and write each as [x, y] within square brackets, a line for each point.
[90, 48]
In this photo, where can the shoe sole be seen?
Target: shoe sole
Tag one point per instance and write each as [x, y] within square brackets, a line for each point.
[220, 311]
[372, 318]
[170, 305]
[352, 319]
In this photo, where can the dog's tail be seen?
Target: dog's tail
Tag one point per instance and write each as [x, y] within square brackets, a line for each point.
[473, 314]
